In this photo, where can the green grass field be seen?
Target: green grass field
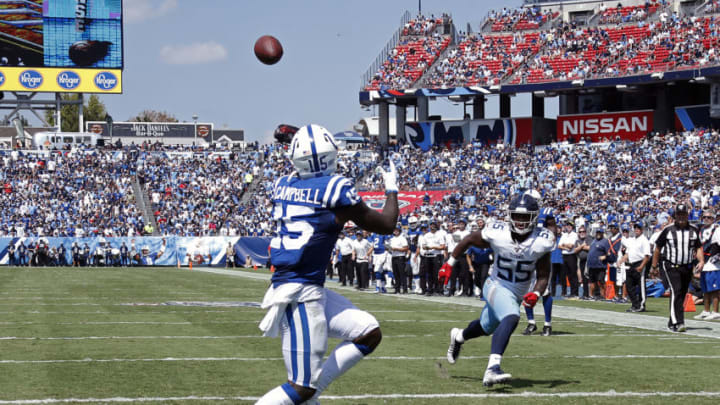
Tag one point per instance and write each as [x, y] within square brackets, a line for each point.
[104, 336]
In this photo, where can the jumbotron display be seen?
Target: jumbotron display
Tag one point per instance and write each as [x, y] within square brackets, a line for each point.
[61, 45]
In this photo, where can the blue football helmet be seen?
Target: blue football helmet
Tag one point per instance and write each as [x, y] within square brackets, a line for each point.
[523, 213]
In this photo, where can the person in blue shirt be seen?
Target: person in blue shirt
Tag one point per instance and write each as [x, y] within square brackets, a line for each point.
[310, 206]
[597, 264]
[62, 255]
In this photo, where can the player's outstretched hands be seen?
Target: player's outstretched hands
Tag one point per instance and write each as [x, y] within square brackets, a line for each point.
[530, 299]
[444, 273]
[390, 177]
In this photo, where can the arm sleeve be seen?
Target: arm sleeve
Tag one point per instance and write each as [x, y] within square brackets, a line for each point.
[343, 194]
[661, 239]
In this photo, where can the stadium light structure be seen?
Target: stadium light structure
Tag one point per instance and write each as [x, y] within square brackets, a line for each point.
[195, 118]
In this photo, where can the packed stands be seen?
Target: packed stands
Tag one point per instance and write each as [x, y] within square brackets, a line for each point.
[68, 194]
[518, 19]
[520, 48]
[637, 179]
[419, 46]
[620, 14]
[482, 59]
[198, 195]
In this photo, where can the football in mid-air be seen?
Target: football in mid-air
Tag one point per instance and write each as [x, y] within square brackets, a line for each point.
[268, 50]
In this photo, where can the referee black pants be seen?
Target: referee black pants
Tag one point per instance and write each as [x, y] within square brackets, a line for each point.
[635, 285]
[679, 278]
[429, 266]
[346, 273]
[361, 272]
[460, 272]
[569, 272]
[398, 268]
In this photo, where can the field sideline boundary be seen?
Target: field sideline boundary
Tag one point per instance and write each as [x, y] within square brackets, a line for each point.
[648, 322]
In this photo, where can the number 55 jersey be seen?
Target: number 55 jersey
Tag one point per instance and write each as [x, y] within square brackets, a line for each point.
[514, 265]
[306, 227]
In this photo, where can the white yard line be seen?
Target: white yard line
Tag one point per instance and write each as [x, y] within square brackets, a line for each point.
[526, 394]
[369, 358]
[518, 336]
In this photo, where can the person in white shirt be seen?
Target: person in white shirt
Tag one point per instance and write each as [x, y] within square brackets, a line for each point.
[362, 249]
[398, 249]
[637, 254]
[432, 248]
[568, 243]
[461, 270]
[710, 276]
[345, 247]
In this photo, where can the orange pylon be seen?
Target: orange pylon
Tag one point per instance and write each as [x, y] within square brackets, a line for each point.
[689, 303]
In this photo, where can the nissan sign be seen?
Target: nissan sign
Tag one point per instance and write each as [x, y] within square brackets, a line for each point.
[629, 126]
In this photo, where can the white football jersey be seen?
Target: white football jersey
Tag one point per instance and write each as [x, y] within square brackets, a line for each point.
[514, 265]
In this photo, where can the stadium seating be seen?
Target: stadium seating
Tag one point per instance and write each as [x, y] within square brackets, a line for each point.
[517, 49]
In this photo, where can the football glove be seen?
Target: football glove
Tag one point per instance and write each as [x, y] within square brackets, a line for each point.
[530, 299]
[444, 273]
[389, 177]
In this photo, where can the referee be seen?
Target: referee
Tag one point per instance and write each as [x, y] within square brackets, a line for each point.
[681, 242]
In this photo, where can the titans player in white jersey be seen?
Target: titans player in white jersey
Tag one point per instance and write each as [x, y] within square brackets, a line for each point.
[311, 205]
[522, 257]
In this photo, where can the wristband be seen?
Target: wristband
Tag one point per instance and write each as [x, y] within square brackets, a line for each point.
[537, 293]
[451, 261]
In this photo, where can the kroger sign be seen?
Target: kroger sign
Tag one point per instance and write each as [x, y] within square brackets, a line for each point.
[31, 79]
[105, 81]
[68, 80]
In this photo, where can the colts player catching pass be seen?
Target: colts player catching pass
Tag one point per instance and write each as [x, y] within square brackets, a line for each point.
[522, 257]
[311, 205]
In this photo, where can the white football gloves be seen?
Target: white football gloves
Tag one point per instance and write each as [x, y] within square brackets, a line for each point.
[389, 177]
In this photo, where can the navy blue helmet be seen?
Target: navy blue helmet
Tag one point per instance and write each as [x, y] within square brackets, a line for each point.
[523, 213]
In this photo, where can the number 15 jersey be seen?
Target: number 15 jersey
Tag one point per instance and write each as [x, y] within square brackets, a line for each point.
[514, 265]
[306, 227]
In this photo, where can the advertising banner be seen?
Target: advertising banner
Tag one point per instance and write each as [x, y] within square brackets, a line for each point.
[141, 251]
[58, 80]
[61, 45]
[514, 132]
[408, 201]
[629, 126]
[152, 129]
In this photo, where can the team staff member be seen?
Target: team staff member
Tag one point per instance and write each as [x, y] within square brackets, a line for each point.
[596, 264]
[710, 277]
[614, 246]
[461, 270]
[681, 242]
[638, 255]
[345, 247]
[362, 251]
[568, 243]
[399, 248]
[432, 246]
[584, 241]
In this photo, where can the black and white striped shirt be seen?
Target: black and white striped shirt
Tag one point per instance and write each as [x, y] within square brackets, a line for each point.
[679, 245]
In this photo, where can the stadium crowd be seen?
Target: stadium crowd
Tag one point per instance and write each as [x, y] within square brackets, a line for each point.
[199, 195]
[68, 194]
[623, 41]
[637, 180]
